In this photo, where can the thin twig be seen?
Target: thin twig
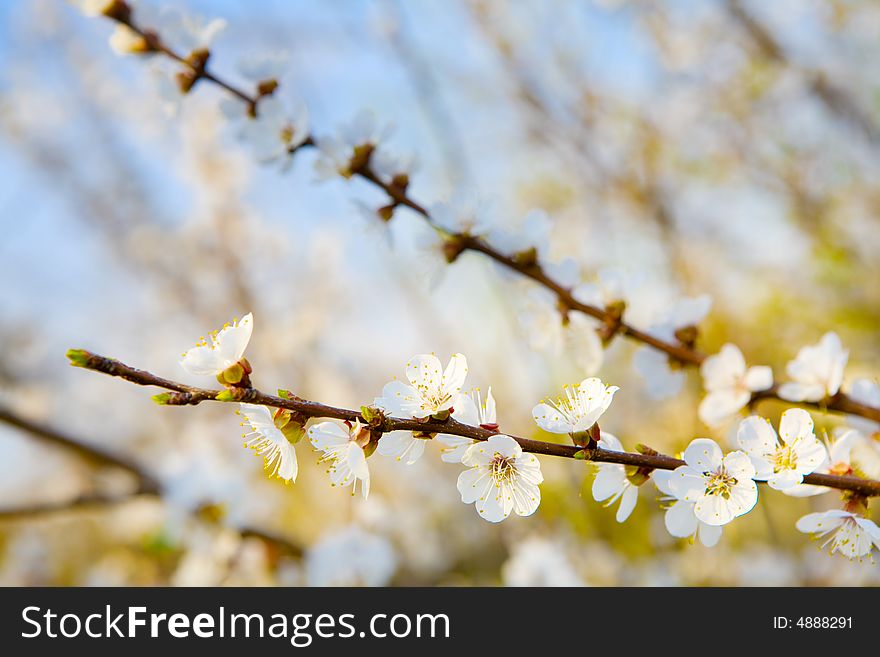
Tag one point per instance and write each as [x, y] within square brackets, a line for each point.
[686, 354]
[182, 395]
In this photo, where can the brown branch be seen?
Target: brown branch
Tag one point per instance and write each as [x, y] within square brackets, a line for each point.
[182, 395]
[685, 354]
[147, 485]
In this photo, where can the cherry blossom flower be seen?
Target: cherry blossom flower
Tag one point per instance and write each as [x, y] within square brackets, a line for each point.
[680, 519]
[661, 380]
[342, 154]
[853, 536]
[186, 32]
[782, 461]
[501, 478]
[224, 351]
[431, 391]
[473, 411]
[839, 462]
[274, 132]
[344, 451]
[464, 213]
[816, 371]
[531, 232]
[730, 384]
[267, 440]
[611, 287]
[612, 483]
[720, 485]
[582, 406]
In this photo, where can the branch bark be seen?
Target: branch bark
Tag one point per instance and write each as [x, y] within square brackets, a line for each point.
[183, 395]
[682, 353]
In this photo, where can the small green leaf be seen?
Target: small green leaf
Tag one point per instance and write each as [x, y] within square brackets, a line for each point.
[225, 396]
[78, 357]
[162, 398]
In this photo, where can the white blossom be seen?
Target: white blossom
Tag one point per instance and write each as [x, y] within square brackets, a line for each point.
[225, 349]
[611, 287]
[816, 371]
[184, 31]
[852, 535]
[531, 232]
[611, 482]
[92, 7]
[346, 458]
[583, 405]
[729, 384]
[465, 213]
[337, 153]
[430, 390]
[501, 478]
[720, 485]
[680, 519]
[274, 133]
[838, 462]
[267, 440]
[473, 411]
[782, 461]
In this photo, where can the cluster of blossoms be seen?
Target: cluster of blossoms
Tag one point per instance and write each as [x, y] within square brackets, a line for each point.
[708, 491]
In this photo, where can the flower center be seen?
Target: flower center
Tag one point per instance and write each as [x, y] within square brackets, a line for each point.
[784, 459]
[503, 469]
[719, 483]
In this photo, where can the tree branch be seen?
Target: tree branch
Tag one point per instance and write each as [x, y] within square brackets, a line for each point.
[182, 395]
[683, 353]
[147, 484]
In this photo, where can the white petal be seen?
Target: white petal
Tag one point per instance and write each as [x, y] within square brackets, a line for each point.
[551, 420]
[203, 361]
[425, 370]
[794, 391]
[709, 534]
[703, 454]
[680, 520]
[795, 423]
[820, 523]
[232, 340]
[723, 370]
[714, 510]
[610, 480]
[455, 447]
[455, 374]
[738, 465]
[687, 483]
[719, 406]
[401, 445]
[627, 503]
[324, 435]
[757, 437]
[758, 378]
[661, 480]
